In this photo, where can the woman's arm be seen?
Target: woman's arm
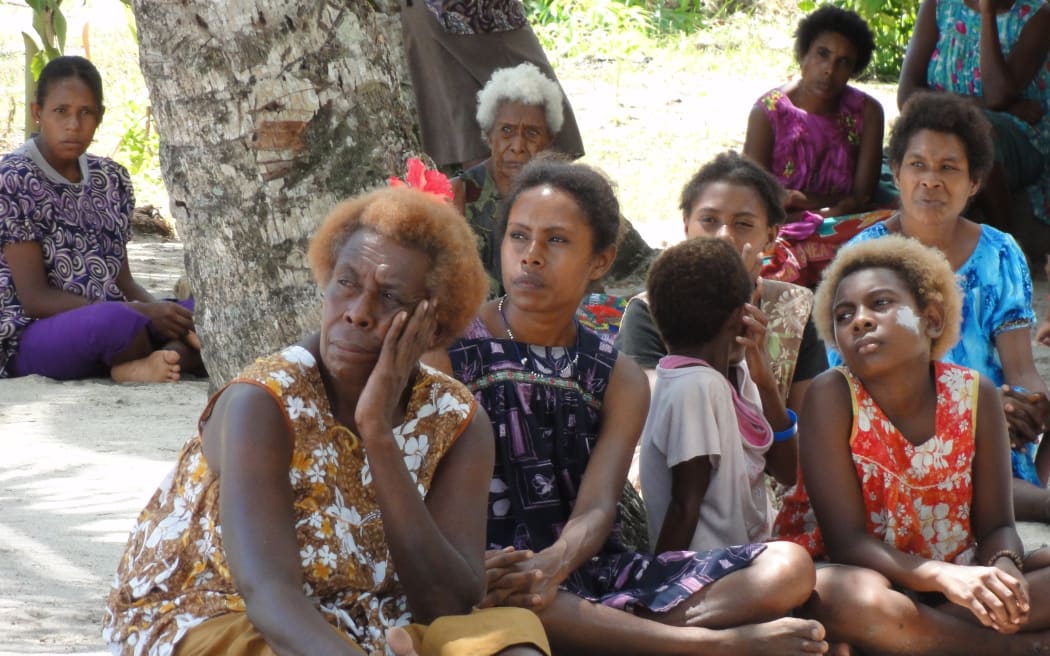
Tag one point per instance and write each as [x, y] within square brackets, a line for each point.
[1005, 78]
[869, 163]
[248, 446]
[758, 142]
[920, 49]
[1027, 413]
[438, 542]
[623, 414]
[39, 299]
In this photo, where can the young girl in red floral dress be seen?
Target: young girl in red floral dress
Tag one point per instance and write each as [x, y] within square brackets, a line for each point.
[907, 473]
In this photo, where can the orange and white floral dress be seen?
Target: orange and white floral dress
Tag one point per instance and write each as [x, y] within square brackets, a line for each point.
[916, 498]
[174, 574]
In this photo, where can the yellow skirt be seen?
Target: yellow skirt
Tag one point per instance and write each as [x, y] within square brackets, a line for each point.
[483, 632]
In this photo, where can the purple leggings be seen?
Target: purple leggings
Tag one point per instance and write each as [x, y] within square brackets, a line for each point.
[80, 343]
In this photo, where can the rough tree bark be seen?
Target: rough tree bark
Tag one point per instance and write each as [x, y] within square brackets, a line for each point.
[270, 112]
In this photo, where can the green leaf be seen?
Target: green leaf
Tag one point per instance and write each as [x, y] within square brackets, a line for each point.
[40, 60]
[59, 21]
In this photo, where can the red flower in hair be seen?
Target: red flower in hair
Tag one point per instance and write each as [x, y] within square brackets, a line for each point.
[419, 177]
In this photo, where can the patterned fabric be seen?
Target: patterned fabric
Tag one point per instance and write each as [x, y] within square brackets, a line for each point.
[997, 297]
[478, 16]
[788, 307]
[955, 66]
[601, 313]
[481, 205]
[544, 404]
[802, 261]
[815, 153]
[916, 498]
[82, 229]
[174, 574]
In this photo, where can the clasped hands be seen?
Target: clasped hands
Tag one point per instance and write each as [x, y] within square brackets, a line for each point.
[1027, 414]
[520, 578]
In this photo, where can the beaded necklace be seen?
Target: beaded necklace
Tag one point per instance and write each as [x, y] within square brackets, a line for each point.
[524, 359]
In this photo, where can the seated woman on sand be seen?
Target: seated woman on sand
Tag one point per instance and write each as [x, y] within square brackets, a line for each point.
[567, 411]
[822, 139]
[69, 305]
[905, 462]
[335, 489]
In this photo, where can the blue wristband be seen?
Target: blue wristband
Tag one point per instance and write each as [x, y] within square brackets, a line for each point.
[789, 432]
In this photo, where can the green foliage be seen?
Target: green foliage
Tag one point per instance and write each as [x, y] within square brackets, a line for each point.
[892, 22]
[50, 26]
[572, 27]
[139, 146]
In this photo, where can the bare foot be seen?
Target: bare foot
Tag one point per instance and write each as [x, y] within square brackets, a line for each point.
[192, 340]
[157, 367]
[399, 642]
[787, 636]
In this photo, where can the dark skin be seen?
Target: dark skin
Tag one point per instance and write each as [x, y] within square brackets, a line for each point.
[68, 118]
[895, 369]
[936, 183]
[1004, 79]
[376, 322]
[549, 259]
[826, 68]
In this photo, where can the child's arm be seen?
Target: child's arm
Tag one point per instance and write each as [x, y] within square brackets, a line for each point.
[782, 457]
[689, 481]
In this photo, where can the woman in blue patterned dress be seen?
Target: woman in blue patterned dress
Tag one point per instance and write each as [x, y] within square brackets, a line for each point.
[566, 411]
[940, 150]
[995, 52]
[69, 306]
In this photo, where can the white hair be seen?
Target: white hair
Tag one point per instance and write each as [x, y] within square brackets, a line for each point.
[524, 84]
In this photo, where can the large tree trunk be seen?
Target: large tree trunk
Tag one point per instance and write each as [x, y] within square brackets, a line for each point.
[269, 111]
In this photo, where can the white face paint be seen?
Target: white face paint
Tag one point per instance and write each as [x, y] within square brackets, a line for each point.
[907, 318]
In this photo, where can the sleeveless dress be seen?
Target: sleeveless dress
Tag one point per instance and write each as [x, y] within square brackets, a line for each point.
[955, 66]
[812, 152]
[174, 574]
[545, 405]
[916, 498]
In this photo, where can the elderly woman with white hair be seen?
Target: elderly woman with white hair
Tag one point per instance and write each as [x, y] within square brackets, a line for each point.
[520, 112]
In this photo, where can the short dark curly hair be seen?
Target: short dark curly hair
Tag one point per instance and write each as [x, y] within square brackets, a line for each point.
[591, 190]
[693, 288]
[948, 114]
[924, 270]
[733, 168]
[829, 18]
[455, 278]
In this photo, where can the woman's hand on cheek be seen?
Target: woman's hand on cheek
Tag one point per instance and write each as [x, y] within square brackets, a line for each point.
[411, 334]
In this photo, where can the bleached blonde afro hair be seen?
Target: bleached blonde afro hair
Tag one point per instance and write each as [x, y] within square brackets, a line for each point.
[925, 271]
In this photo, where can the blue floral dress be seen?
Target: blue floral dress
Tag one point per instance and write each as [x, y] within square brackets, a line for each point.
[997, 297]
[955, 66]
[545, 407]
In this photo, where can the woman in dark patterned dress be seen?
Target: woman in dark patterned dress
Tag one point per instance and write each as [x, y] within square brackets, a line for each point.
[69, 306]
[566, 412]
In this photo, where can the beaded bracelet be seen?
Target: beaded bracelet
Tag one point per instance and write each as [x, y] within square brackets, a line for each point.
[790, 431]
[1007, 553]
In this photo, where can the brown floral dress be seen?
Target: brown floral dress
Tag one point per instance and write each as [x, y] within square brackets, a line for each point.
[174, 574]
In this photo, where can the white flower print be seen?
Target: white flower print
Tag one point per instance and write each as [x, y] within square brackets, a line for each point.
[415, 450]
[449, 403]
[298, 355]
[294, 407]
[933, 454]
[379, 572]
[282, 378]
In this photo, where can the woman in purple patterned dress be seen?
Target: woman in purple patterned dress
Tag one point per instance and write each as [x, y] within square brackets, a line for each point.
[69, 306]
[566, 411]
[820, 137]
